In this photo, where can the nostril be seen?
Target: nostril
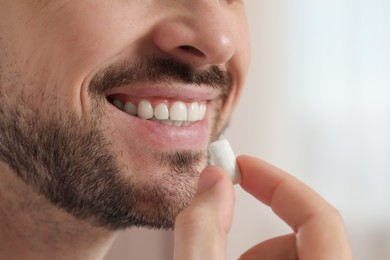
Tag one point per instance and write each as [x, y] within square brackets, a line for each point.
[192, 50]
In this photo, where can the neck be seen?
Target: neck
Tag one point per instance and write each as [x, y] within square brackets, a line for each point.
[32, 228]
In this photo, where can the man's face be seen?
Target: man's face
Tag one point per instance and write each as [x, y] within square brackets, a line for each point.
[107, 107]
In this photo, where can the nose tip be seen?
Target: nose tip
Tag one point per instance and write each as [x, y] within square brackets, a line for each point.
[199, 40]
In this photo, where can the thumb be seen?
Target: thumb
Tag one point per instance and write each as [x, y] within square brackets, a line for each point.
[201, 229]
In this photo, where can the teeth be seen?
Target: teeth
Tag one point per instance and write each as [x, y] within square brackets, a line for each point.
[178, 111]
[193, 112]
[187, 123]
[130, 108]
[118, 104]
[167, 122]
[202, 110]
[178, 123]
[161, 111]
[179, 114]
[145, 110]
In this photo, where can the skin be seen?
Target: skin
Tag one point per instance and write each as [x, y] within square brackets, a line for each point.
[74, 170]
[317, 227]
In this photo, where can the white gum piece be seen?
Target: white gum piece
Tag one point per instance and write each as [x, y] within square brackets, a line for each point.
[222, 155]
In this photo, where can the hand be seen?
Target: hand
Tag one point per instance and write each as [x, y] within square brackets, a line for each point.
[201, 230]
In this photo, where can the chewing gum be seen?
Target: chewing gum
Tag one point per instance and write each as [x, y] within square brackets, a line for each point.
[222, 155]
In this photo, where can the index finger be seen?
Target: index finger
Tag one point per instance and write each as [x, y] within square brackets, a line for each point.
[289, 198]
[319, 225]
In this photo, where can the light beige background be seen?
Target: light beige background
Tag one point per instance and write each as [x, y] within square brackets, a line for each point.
[317, 104]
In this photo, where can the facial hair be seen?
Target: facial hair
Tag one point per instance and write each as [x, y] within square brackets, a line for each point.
[71, 163]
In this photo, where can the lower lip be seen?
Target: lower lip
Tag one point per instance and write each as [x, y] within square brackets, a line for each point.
[161, 136]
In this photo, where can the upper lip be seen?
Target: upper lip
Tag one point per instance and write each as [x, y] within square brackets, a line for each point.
[175, 91]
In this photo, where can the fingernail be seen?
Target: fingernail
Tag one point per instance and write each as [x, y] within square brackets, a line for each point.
[208, 178]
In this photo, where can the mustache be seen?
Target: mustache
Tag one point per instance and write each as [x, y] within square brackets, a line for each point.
[157, 70]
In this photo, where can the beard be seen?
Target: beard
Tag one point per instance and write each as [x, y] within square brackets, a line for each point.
[70, 162]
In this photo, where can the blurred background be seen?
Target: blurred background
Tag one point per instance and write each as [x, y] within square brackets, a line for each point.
[316, 104]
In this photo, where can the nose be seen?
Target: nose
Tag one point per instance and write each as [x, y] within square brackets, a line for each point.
[197, 33]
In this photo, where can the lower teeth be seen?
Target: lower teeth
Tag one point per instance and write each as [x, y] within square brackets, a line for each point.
[171, 122]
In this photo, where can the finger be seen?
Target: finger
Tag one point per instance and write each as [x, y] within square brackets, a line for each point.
[201, 229]
[291, 200]
[279, 248]
[318, 225]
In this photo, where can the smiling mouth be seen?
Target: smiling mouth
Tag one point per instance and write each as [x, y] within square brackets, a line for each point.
[171, 112]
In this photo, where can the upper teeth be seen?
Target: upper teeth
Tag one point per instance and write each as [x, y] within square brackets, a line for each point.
[178, 114]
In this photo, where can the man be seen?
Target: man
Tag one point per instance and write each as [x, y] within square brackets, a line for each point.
[107, 108]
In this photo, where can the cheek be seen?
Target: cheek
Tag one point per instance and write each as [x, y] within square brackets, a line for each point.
[244, 48]
[89, 38]
[90, 33]
[239, 66]
[67, 46]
